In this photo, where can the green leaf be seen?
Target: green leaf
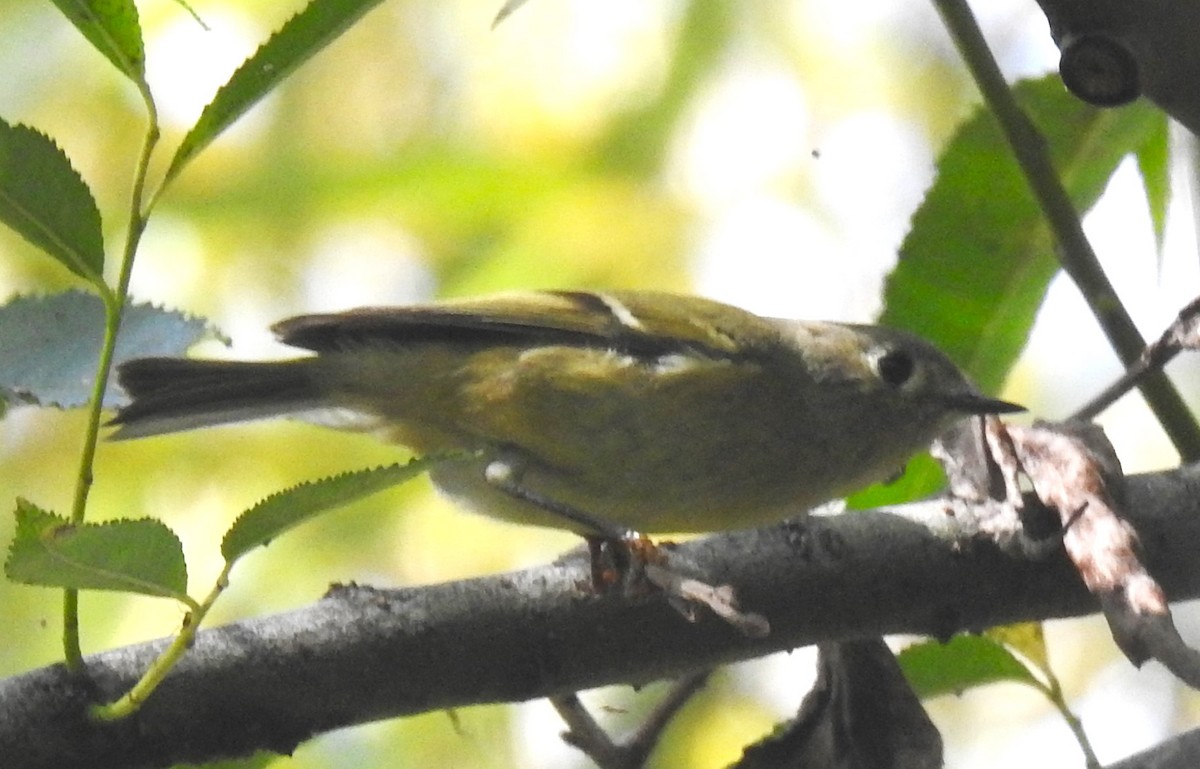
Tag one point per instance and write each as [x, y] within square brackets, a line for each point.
[112, 27]
[1153, 159]
[51, 345]
[292, 507]
[976, 264]
[934, 668]
[46, 201]
[142, 556]
[298, 40]
[921, 477]
[1027, 639]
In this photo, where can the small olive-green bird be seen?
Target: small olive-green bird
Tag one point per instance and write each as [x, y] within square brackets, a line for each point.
[603, 413]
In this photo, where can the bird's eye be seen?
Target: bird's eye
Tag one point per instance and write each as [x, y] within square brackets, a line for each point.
[895, 367]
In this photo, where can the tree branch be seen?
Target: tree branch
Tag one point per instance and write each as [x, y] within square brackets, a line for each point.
[362, 654]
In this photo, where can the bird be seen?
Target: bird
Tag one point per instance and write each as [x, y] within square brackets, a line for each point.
[610, 414]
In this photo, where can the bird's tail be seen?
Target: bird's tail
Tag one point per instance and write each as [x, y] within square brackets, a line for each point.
[174, 394]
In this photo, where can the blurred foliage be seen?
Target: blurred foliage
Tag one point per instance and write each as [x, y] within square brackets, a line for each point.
[424, 153]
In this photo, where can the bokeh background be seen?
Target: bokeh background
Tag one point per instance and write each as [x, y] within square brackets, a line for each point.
[766, 153]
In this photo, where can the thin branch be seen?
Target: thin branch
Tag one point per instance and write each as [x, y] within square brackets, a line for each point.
[649, 733]
[1075, 252]
[586, 734]
[1179, 336]
[632, 753]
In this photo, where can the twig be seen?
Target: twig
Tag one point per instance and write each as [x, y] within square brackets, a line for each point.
[1180, 335]
[588, 736]
[1075, 252]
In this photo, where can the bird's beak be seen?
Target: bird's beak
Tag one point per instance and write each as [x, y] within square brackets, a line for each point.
[976, 403]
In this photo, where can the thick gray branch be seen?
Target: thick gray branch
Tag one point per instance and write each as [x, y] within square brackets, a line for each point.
[361, 654]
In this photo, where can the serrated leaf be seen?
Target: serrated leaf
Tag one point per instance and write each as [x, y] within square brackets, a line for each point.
[50, 346]
[44, 200]
[292, 507]
[113, 29]
[298, 40]
[976, 264]
[142, 556]
[934, 668]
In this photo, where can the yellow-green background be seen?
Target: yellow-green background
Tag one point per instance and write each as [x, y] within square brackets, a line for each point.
[585, 143]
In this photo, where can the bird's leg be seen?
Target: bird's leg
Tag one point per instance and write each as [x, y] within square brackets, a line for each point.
[624, 545]
[621, 556]
[506, 476]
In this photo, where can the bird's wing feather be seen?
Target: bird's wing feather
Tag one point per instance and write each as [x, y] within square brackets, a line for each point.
[638, 323]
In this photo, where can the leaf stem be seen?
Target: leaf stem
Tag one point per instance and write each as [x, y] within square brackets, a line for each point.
[1053, 692]
[1075, 253]
[114, 306]
[154, 675]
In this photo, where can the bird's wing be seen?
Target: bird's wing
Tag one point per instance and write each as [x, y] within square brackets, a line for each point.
[633, 322]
